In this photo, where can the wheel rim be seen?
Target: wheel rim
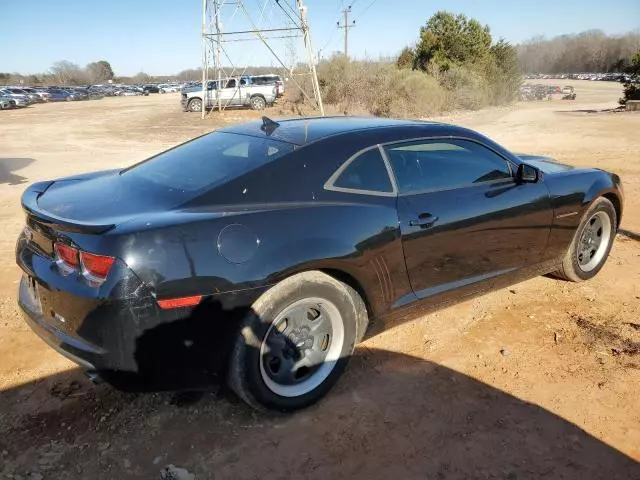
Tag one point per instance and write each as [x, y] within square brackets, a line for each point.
[258, 103]
[594, 241]
[301, 347]
[196, 106]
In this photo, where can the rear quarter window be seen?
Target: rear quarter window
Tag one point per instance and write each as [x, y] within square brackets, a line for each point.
[366, 173]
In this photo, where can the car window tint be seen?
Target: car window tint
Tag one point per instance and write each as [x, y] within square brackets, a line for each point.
[366, 172]
[207, 161]
[442, 164]
[231, 83]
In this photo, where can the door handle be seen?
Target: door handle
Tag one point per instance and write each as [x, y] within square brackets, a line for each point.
[424, 220]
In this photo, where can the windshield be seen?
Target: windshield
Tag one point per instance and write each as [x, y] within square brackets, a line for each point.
[207, 161]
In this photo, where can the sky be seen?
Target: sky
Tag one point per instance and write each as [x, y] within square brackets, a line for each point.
[163, 37]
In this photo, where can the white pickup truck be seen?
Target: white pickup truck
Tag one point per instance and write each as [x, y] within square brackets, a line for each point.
[236, 92]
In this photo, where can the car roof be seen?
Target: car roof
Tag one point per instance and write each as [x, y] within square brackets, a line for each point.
[301, 131]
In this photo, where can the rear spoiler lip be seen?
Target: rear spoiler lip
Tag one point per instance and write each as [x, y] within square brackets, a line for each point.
[30, 206]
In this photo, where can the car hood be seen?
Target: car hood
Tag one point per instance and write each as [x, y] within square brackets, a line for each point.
[546, 164]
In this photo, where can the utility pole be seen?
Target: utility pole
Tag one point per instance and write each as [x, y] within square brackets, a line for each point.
[312, 62]
[204, 58]
[346, 26]
[218, 46]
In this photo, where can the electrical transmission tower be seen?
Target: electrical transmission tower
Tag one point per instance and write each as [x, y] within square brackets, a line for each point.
[228, 24]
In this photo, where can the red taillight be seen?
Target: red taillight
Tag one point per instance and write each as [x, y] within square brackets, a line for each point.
[95, 267]
[180, 302]
[67, 257]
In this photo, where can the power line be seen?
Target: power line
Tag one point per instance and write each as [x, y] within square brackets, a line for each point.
[262, 30]
[288, 14]
[339, 6]
[365, 10]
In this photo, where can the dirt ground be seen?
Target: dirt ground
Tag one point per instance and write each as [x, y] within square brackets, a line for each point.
[541, 380]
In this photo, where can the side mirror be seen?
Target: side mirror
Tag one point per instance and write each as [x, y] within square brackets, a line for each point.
[527, 174]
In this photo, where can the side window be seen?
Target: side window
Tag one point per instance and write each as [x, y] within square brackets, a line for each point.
[231, 83]
[442, 164]
[366, 172]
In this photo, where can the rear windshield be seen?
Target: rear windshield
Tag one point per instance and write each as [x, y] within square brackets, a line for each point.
[207, 161]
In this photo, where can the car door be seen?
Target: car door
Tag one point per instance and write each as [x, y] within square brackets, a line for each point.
[230, 94]
[211, 94]
[463, 217]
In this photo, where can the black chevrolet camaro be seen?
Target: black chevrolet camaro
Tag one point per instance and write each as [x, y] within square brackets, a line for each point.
[260, 253]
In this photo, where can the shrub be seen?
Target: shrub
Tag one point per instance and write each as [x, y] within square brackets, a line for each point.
[631, 86]
[380, 89]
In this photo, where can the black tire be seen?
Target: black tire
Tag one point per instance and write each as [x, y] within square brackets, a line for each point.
[570, 268]
[246, 368]
[258, 102]
[194, 105]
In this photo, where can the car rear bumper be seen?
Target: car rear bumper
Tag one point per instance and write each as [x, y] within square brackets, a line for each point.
[74, 349]
[120, 333]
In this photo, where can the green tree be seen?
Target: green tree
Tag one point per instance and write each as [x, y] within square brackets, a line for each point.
[405, 59]
[99, 72]
[506, 76]
[449, 39]
[631, 86]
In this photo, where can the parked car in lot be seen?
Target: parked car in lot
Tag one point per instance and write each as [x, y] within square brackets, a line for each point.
[236, 92]
[131, 92]
[33, 97]
[151, 89]
[79, 93]
[269, 79]
[260, 252]
[7, 103]
[21, 99]
[568, 93]
[60, 95]
[43, 96]
[166, 88]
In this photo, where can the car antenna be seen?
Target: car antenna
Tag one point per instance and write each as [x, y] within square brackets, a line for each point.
[268, 125]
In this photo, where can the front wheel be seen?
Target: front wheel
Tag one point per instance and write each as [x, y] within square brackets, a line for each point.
[296, 342]
[258, 103]
[195, 105]
[591, 243]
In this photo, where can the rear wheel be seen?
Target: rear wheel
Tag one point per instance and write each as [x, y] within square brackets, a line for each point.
[195, 105]
[258, 103]
[296, 342]
[591, 244]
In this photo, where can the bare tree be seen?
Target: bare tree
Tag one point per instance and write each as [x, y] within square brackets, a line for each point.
[589, 51]
[67, 73]
[99, 72]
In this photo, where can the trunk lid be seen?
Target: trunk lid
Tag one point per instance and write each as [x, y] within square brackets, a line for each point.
[91, 203]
